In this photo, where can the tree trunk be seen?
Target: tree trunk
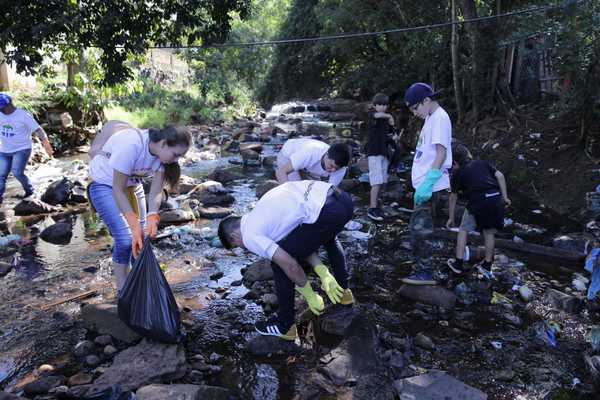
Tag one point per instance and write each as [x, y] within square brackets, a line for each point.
[458, 95]
[72, 69]
[4, 82]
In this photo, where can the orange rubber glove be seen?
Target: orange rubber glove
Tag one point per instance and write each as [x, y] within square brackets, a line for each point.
[152, 220]
[137, 239]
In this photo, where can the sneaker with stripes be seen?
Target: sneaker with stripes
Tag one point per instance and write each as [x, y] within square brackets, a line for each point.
[271, 328]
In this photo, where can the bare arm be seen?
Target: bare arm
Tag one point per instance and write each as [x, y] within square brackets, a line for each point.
[282, 172]
[41, 134]
[440, 157]
[120, 191]
[314, 260]
[290, 267]
[155, 195]
[502, 183]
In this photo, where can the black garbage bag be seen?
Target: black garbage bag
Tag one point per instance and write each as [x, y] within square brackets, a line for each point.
[147, 304]
[59, 192]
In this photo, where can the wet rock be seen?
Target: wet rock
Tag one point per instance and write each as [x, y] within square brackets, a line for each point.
[573, 242]
[216, 276]
[216, 199]
[176, 216]
[562, 300]
[248, 154]
[142, 364]
[270, 299]
[223, 175]
[80, 378]
[506, 375]
[46, 369]
[269, 161]
[92, 360]
[258, 271]
[237, 283]
[104, 319]
[58, 192]
[214, 212]
[10, 396]
[109, 350]
[5, 268]
[78, 392]
[434, 295]
[338, 366]
[270, 345]
[256, 147]
[181, 392]
[265, 187]
[525, 293]
[436, 385]
[186, 184]
[103, 340]
[337, 319]
[347, 185]
[424, 342]
[43, 385]
[363, 164]
[34, 206]
[59, 233]
[83, 348]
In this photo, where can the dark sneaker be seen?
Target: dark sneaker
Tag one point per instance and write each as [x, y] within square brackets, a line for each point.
[454, 266]
[486, 273]
[347, 298]
[375, 214]
[420, 278]
[271, 328]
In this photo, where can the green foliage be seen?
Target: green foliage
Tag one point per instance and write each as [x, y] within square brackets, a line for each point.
[120, 28]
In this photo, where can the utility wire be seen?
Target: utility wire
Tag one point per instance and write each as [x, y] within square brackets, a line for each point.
[366, 34]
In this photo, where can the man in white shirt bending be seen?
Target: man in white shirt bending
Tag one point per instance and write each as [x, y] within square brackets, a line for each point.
[288, 225]
[312, 159]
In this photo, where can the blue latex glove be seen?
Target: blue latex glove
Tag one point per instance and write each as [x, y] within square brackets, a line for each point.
[424, 191]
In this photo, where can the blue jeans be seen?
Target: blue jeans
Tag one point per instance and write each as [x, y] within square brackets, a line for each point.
[101, 197]
[15, 162]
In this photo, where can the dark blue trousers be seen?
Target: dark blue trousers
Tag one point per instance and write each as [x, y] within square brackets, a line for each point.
[307, 239]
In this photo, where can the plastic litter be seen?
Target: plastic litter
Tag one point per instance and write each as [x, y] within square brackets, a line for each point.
[508, 222]
[488, 275]
[465, 294]
[496, 345]
[353, 226]
[517, 239]
[7, 240]
[498, 298]
[592, 336]
[147, 304]
[364, 178]
[526, 293]
[547, 331]
[358, 235]
[579, 285]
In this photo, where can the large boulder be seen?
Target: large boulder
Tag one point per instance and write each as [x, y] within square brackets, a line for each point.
[223, 175]
[176, 216]
[434, 295]
[336, 320]
[562, 301]
[186, 184]
[214, 212]
[265, 187]
[261, 346]
[216, 199]
[181, 392]
[148, 362]
[5, 268]
[104, 319]
[260, 270]
[10, 396]
[59, 233]
[43, 385]
[436, 385]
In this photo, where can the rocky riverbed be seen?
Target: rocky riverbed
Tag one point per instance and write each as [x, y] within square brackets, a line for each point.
[526, 333]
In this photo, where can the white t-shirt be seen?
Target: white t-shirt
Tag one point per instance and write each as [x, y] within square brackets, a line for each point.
[127, 153]
[16, 130]
[279, 212]
[306, 154]
[437, 129]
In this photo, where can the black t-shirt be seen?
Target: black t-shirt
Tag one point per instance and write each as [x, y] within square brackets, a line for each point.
[476, 180]
[379, 129]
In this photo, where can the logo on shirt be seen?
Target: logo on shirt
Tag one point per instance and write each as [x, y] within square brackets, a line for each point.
[418, 154]
[7, 130]
[308, 189]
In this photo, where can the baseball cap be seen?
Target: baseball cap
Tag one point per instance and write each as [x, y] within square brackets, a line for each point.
[417, 92]
[4, 100]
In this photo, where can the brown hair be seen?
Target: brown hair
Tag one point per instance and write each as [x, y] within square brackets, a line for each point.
[173, 136]
[381, 99]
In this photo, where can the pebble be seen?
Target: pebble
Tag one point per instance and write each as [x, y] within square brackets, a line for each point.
[45, 369]
[92, 360]
[79, 379]
[109, 350]
[103, 340]
[424, 341]
[83, 348]
[526, 293]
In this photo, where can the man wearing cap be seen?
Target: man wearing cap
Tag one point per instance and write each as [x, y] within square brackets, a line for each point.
[16, 127]
[432, 161]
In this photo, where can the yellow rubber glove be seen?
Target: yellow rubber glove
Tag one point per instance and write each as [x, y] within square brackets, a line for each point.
[137, 239]
[329, 284]
[315, 302]
[152, 221]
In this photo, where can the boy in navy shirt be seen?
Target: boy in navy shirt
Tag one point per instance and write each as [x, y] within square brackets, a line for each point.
[485, 190]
